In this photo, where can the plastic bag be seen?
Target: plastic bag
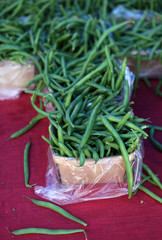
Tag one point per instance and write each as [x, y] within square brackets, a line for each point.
[13, 78]
[68, 183]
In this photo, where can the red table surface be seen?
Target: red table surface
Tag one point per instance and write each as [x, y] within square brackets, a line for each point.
[137, 218]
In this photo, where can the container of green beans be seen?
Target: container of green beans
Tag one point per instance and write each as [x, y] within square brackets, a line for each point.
[95, 139]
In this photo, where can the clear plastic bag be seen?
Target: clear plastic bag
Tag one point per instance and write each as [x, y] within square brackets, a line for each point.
[68, 183]
[13, 78]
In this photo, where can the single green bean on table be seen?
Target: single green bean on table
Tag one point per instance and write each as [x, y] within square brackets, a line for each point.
[151, 194]
[26, 164]
[57, 209]
[48, 231]
[31, 124]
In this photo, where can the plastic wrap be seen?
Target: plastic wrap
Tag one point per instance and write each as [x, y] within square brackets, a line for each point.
[129, 77]
[67, 182]
[13, 78]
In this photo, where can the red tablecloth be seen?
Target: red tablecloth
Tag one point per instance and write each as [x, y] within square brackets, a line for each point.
[121, 218]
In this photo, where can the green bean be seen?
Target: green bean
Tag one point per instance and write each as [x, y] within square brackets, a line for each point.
[59, 78]
[17, 9]
[123, 121]
[154, 49]
[47, 140]
[134, 145]
[90, 75]
[95, 102]
[41, 112]
[152, 139]
[26, 170]
[101, 147]
[108, 138]
[63, 66]
[152, 175]
[121, 75]
[87, 153]
[129, 135]
[90, 125]
[37, 78]
[65, 149]
[146, 178]
[111, 67]
[72, 138]
[60, 138]
[82, 158]
[129, 124]
[137, 69]
[47, 231]
[68, 98]
[149, 180]
[123, 151]
[7, 9]
[140, 36]
[31, 124]
[104, 80]
[147, 82]
[72, 105]
[76, 110]
[54, 139]
[151, 194]
[110, 30]
[57, 209]
[139, 23]
[95, 156]
[99, 87]
[112, 145]
[157, 91]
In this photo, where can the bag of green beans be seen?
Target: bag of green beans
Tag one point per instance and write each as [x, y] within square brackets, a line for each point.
[95, 144]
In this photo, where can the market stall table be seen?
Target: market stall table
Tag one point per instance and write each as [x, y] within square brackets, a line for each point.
[118, 218]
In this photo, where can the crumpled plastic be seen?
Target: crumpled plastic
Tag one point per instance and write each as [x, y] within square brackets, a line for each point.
[68, 183]
[13, 78]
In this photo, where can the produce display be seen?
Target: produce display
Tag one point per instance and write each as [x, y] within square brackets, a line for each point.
[80, 52]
